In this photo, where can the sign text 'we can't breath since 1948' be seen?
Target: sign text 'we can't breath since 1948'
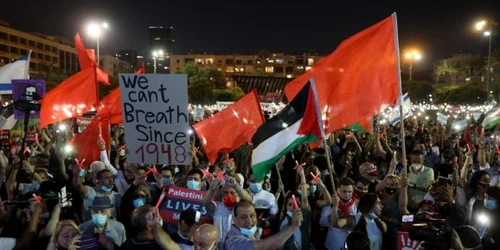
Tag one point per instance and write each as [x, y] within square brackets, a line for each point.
[155, 118]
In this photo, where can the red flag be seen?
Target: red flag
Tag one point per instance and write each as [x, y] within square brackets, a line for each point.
[85, 143]
[110, 108]
[357, 80]
[231, 127]
[141, 69]
[73, 97]
[91, 54]
[85, 60]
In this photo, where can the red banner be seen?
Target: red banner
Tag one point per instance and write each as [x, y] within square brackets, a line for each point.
[178, 199]
[405, 243]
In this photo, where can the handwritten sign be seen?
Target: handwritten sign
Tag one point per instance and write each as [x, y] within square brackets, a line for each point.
[178, 199]
[156, 119]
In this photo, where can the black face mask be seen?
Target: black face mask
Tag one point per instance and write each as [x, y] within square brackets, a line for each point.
[390, 190]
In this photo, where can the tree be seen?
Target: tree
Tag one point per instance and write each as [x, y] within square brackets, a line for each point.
[446, 70]
[263, 54]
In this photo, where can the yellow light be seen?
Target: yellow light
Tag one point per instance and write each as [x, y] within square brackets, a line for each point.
[480, 25]
[94, 30]
[408, 55]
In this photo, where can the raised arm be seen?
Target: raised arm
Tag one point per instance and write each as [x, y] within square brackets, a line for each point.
[161, 237]
[327, 198]
[278, 240]
[207, 199]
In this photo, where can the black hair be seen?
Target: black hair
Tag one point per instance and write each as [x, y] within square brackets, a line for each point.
[468, 236]
[138, 218]
[365, 205]
[101, 173]
[188, 216]
[362, 180]
[321, 162]
[357, 240]
[168, 168]
[195, 171]
[242, 203]
[417, 152]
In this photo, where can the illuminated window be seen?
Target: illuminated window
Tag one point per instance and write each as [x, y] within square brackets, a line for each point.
[269, 69]
[310, 62]
[270, 61]
[289, 76]
[279, 61]
[242, 69]
[230, 69]
[209, 61]
[199, 61]
[300, 67]
[219, 69]
[258, 61]
[308, 68]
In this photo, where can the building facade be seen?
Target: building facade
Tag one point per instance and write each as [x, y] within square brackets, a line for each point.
[47, 51]
[275, 65]
[114, 65]
[129, 56]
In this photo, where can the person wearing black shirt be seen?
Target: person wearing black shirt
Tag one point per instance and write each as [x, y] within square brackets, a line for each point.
[445, 169]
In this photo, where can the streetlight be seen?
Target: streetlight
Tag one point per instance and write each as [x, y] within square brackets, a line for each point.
[95, 30]
[487, 28]
[411, 56]
[156, 54]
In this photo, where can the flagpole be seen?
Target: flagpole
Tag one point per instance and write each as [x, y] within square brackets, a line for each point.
[330, 166]
[401, 98]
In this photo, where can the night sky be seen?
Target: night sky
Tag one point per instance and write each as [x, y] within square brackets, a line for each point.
[437, 28]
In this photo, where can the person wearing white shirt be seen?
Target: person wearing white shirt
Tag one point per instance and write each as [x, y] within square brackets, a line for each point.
[262, 199]
[339, 217]
[368, 222]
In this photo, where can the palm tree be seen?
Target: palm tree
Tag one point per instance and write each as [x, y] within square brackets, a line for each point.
[446, 69]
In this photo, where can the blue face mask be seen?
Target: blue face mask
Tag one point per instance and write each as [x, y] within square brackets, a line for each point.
[300, 192]
[312, 189]
[372, 215]
[81, 173]
[99, 219]
[139, 202]
[36, 185]
[166, 181]
[161, 223]
[106, 188]
[248, 232]
[490, 204]
[256, 187]
[193, 185]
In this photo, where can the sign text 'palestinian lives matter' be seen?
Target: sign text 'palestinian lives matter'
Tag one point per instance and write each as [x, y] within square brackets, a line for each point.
[155, 118]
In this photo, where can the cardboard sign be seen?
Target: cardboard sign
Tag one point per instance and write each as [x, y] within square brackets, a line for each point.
[25, 89]
[156, 119]
[405, 243]
[178, 199]
[199, 113]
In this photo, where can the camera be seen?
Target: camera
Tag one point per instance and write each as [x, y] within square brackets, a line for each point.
[434, 231]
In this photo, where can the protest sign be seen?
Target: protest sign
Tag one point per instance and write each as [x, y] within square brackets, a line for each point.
[156, 119]
[199, 113]
[178, 199]
[26, 90]
[405, 243]
[82, 123]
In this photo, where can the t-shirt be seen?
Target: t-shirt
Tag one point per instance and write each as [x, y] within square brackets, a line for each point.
[7, 243]
[236, 240]
[336, 237]
[374, 233]
[222, 221]
[445, 170]
[424, 177]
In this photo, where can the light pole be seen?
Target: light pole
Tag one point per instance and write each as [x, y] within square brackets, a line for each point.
[487, 28]
[412, 56]
[156, 54]
[95, 31]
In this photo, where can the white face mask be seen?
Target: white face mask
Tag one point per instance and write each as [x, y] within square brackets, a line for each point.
[484, 168]
[122, 152]
[416, 166]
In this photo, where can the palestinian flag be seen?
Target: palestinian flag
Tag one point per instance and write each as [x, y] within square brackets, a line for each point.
[492, 118]
[298, 123]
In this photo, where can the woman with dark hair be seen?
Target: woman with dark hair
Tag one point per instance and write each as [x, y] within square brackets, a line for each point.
[492, 205]
[479, 183]
[370, 207]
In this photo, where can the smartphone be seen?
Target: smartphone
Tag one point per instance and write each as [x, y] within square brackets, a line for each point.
[407, 218]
